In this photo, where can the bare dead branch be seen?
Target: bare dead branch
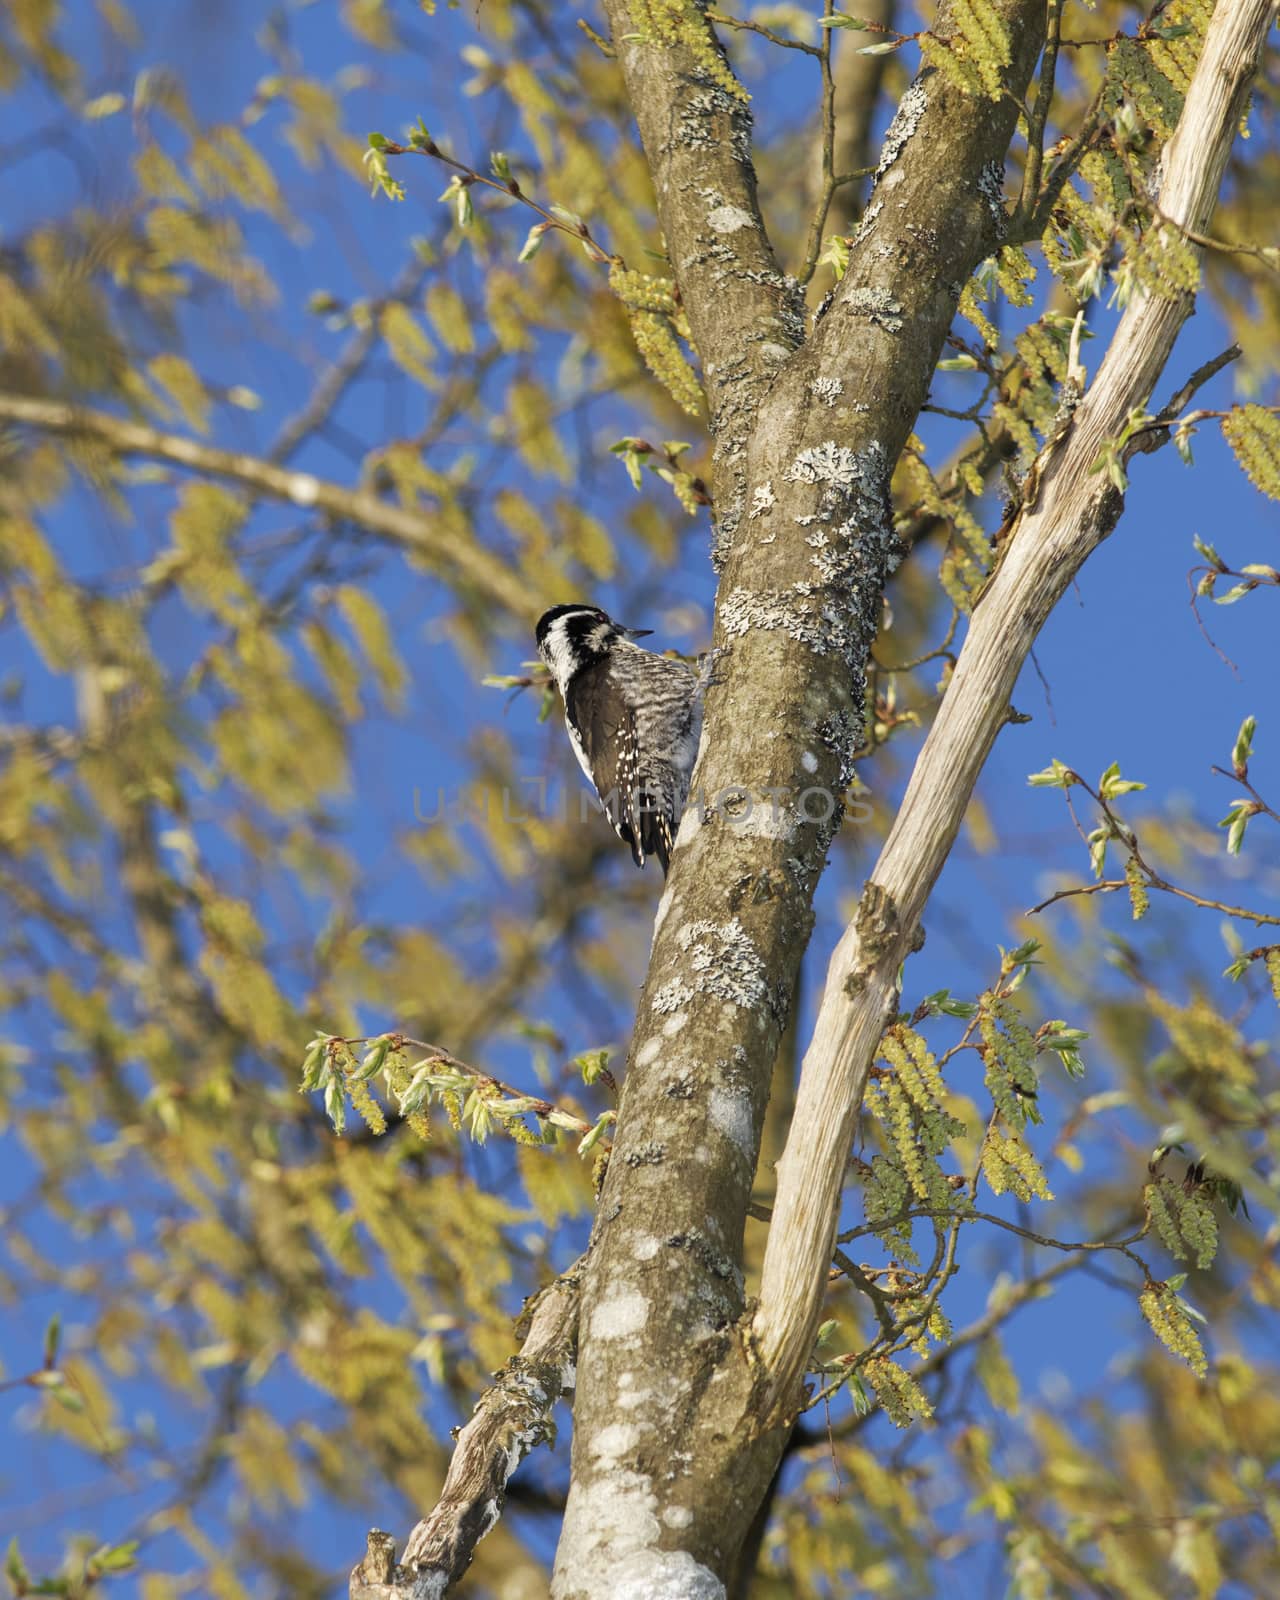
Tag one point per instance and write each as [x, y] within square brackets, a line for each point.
[1049, 540]
[511, 1418]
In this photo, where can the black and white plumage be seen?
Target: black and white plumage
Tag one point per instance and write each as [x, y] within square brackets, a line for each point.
[634, 719]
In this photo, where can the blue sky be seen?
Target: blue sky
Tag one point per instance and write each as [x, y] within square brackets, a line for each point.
[1129, 673]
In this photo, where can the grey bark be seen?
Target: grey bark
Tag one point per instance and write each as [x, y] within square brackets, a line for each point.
[673, 1444]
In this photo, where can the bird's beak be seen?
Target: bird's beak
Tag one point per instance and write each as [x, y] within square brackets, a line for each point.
[637, 633]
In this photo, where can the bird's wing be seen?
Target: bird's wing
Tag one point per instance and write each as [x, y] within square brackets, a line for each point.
[602, 730]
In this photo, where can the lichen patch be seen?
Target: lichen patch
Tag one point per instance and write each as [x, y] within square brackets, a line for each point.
[878, 306]
[906, 119]
[728, 219]
[725, 961]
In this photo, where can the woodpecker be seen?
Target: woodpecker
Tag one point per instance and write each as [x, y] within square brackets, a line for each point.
[634, 719]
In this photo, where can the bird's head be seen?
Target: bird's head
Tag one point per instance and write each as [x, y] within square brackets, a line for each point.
[571, 637]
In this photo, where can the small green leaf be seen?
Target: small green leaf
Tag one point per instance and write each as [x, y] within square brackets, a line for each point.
[591, 1064]
[1055, 776]
[15, 1568]
[589, 1140]
[1111, 784]
[1243, 747]
[1236, 592]
[533, 241]
[1209, 554]
[52, 1338]
[1236, 825]
[836, 255]
[335, 1104]
[115, 1558]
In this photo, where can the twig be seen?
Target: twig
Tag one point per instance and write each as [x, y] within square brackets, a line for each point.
[534, 1105]
[766, 33]
[424, 145]
[819, 221]
[1269, 255]
[1038, 120]
[342, 372]
[1120, 830]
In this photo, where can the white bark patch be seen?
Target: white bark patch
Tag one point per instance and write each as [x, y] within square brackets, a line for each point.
[624, 1528]
[730, 1115]
[866, 222]
[304, 490]
[620, 1316]
[648, 1052]
[767, 818]
[615, 1441]
[809, 761]
[665, 1575]
[728, 219]
[828, 463]
[674, 1024]
[677, 1516]
[645, 1247]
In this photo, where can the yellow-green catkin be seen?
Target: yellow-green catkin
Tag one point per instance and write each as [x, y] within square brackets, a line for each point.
[681, 23]
[1139, 899]
[1172, 1326]
[898, 1392]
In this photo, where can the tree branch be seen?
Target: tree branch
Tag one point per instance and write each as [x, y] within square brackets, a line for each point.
[510, 1419]
[471, 565]
[858, 79]
[1048, 542]
[745, 315]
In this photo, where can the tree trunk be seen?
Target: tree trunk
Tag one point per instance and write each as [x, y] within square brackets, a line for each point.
[675, 1435]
